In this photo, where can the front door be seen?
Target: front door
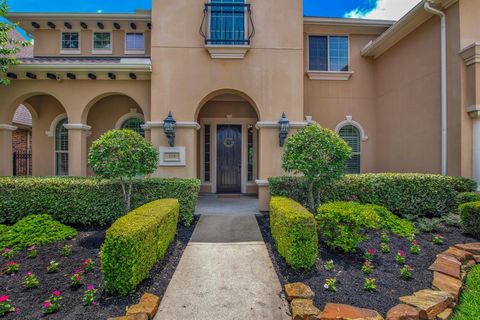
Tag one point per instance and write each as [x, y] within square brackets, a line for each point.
[229, 158]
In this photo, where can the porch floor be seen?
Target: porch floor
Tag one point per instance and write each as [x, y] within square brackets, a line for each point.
[213, 204]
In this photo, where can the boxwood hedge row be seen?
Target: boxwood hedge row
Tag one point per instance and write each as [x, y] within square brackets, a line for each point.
[135, 243]
[404, 194]
[295, 232]
[89, 201]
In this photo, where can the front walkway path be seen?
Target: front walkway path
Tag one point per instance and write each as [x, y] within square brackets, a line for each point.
[225, 273]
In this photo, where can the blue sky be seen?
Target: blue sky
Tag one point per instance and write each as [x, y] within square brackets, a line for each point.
[376, 9]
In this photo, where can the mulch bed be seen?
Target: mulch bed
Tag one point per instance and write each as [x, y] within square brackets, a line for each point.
[86, 245]
[348, 272]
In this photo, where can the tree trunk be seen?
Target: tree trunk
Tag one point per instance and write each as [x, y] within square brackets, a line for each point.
[129, 197]
[311, 200]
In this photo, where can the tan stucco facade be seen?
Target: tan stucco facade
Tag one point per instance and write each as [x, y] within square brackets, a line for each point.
[391, 92]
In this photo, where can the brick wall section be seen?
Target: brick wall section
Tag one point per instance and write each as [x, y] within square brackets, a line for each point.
[20, 141]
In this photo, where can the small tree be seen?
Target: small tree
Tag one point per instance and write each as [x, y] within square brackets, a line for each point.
[8, 46]
[123, 155]
[319, 154]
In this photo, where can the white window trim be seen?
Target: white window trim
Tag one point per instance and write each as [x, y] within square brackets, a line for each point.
[71, 51]
[53, 125]
[328, 75]
[349, 121]
[135, 51]
[51, 133]
[133, 114]
[102, 51]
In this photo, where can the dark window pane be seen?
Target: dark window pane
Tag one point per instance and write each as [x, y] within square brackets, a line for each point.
[250, 153]
[135, 124]
[318, 53]
[351, 135]
[206, 155]
[227, 22]
[61, 149]
[338, 50]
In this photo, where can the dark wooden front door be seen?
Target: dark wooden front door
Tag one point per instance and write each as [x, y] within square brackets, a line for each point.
[229, 158]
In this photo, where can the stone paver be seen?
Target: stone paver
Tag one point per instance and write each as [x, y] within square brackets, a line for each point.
[230, 280]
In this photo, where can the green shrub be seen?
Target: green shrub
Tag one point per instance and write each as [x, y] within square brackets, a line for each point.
[470, 214]
[343, 224]
[390, 222]
[403, 194]
[89, 201]
[136, 242]
[3, 228]
[466, 197]
[295, 232]
[35, 230]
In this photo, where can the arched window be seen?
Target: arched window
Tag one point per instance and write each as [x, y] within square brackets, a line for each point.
[61, 148]
[352, 136]
[135, 124]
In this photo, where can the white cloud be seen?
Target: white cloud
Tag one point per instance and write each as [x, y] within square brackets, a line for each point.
[384, 10]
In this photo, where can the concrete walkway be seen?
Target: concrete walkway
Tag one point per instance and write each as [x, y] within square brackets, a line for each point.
[215, 205]
[225, 273]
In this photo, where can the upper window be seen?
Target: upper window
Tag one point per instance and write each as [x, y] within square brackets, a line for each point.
[135, 124]
[351, 135]
[227, 22]
[328, 53]
[70, 40]
[102, 41]
[135, 41]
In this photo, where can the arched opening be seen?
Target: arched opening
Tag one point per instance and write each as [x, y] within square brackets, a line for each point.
[34, 142]
[351, 135]
[113, 112]
[227, 144]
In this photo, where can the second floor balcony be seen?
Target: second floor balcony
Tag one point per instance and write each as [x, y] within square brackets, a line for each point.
[227, 24]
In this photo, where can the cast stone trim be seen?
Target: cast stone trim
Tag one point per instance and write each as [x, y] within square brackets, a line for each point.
[7, 127]
[77, 126]
[133, 114]
[262, 183]
[474, 111]
[349, 121]
[330, 75]
[54, 123]
[180, 124]
[227, 52]
[471, 54]
[274, 124]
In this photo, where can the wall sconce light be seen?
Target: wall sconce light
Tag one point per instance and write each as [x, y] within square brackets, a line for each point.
[170, 127]
[284, 129]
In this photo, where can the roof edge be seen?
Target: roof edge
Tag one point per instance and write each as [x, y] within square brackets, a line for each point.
[139, 15]
[347, 22]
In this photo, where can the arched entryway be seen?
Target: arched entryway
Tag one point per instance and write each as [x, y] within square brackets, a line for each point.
[227, 144]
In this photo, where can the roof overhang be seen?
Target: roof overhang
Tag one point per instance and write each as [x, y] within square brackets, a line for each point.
[403, 27]
[347, 22]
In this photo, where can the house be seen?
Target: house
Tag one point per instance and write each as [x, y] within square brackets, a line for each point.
[404, 94]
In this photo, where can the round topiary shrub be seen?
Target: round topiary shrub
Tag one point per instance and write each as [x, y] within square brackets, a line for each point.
[320, 155]
[470, 215]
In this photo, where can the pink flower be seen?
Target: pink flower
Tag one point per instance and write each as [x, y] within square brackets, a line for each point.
[79, 278]
[90, 287]
[415, 242]
[94, 303]
[371, 251]
[77, 271]
[28, 274]
[56, 293]
[11, 263]
[402, 253]
[47, 304]
[3, 298]
[7, 250]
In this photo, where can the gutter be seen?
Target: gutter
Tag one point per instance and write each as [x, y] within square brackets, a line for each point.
[443, 28]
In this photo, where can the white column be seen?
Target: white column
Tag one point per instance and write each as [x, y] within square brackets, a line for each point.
[474, 112]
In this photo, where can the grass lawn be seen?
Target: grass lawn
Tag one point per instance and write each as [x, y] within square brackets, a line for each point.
[469, 306]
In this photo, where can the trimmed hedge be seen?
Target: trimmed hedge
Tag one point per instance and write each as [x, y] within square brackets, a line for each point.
[470, 215]
[403, 194]
[89, 201]
[391, 223]
[295, 232]
[466, 197]
[136, 242]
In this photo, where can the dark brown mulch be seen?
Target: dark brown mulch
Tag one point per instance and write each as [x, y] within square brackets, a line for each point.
[348, 272]
[86, 245]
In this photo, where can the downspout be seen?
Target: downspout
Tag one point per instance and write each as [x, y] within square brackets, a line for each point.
[443, 29]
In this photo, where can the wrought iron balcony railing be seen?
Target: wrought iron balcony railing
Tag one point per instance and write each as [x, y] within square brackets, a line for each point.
[227, 24]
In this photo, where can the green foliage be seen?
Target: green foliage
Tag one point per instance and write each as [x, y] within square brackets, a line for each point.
[136, 242]
[469, 304]
[295, 232]
[8, 46]
[392, 223]
[89, 201]
[123, 155]
[470, 214]
[3, 229]
[343, 224]
[35, 230]
[466, 197]
[417, 195]
[319, 154]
